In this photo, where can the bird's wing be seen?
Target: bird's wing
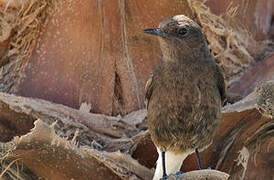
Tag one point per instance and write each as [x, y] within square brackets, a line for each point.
[148, 89]
[221, 83]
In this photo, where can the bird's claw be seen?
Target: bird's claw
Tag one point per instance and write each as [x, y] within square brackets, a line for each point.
[176, 175]
[179, 173]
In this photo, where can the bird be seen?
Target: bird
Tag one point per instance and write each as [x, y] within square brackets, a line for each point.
[184, 94]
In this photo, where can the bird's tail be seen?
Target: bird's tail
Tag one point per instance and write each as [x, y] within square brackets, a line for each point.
[173, 162]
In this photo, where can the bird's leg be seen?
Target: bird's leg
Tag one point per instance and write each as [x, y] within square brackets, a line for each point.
[169, 163]
[198, 158]
[164, 164]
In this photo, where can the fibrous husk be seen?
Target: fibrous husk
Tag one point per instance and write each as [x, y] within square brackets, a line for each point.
[227, 45]
[21, 112]
[43, 153]
[265, 98]
[5, 35]
[201, 175]
[27, 19]
[109, 70]
[50, 156]
[75, 143]
[242, 145]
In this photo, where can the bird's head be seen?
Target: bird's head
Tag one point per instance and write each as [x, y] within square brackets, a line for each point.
[180, 36]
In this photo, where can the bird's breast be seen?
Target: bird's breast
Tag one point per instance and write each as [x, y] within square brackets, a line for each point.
[184, 105]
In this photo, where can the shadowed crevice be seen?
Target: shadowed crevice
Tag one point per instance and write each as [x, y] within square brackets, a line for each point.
[118, 100]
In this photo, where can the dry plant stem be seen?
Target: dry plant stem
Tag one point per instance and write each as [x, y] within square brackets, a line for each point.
[112, 133]
[100, 128]
[28, 19]
[203, 175]
[7, 168]
[122, 165]
[11, 3]
[5, 36]
[45, 152]
[35, 19]
[227, 45]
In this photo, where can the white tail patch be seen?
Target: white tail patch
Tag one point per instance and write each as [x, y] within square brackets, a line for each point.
[173, 162]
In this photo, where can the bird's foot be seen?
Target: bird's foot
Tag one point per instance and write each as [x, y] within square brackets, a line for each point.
[179, 173]
[176, 175]
[167, 177]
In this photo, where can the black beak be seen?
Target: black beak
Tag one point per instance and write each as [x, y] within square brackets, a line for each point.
[155, 31]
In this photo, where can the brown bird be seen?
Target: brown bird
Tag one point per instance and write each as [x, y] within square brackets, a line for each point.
[184, 94]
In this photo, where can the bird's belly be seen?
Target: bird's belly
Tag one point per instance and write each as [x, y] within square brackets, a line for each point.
[183, 117]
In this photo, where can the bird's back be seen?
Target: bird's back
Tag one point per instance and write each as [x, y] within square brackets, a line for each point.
[184, 105]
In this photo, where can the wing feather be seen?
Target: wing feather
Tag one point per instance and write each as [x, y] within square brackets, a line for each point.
[221, 83]
[148, 89]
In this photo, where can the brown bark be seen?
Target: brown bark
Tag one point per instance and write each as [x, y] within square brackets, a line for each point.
[92, 56]
[91, 127]
[92, 48]
[48, 155]
[5, 37]
[263, 71]
[242, 145]
[94, 52]
[203, 175]
[252, 15]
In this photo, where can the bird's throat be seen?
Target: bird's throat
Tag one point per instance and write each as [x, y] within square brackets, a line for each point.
[183, 53]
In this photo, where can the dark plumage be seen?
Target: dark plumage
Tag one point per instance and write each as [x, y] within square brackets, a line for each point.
[184, 94]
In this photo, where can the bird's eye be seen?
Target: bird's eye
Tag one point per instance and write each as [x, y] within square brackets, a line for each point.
[182, 31]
